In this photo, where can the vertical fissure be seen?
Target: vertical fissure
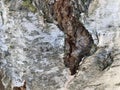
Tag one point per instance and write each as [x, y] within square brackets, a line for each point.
[78, 41]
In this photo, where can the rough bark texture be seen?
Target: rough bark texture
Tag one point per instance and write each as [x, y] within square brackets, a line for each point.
[78, 41]
[31, 49]
[1, 84]
[21, 87]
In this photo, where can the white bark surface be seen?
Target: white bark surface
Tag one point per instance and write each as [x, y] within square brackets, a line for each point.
[32, 51]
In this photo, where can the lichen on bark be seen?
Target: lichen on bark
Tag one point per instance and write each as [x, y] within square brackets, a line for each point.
[28, 4]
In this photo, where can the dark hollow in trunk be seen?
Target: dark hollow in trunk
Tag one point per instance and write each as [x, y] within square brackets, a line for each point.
[78, 41]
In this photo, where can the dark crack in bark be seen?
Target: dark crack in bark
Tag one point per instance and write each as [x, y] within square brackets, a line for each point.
[78, 41]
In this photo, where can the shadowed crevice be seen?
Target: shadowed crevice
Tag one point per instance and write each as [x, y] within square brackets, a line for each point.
[78, 41]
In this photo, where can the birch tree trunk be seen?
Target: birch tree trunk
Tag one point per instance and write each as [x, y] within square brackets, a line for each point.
[38, 38]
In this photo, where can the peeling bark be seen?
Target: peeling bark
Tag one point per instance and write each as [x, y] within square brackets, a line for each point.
[78, 41]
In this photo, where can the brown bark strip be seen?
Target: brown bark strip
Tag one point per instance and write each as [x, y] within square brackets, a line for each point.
[78, 41]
